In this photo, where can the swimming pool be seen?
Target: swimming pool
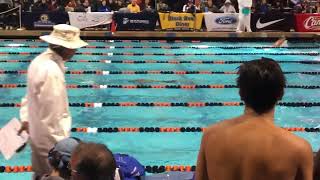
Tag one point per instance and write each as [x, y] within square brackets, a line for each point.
[145, 73]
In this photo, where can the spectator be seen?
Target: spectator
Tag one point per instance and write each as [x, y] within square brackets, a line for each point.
[228, 7]
[26, 5]
[146, 5]
[59, 159]
[264, 8]
[120, 4]
[53, 5]
[298, 8]
[41, 6]
[162, 7]
[189, 7]
[84, 6]
[71, 6]
[251, 146]
[104, 7]
[278, 6]
[318, 7]
[92, 161]
[134, 7]
[309, 9]
[210, 7]
[113, 5]
[199, 6]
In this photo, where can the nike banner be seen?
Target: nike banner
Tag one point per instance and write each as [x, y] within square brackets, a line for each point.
[307, 22]
[221, 21]
[272, 21]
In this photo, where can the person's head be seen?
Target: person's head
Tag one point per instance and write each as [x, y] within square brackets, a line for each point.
[59, 156]
[104, 3]
[92, 161]
[86, 3]
[227, 3]
[43, 1]
[65, 53]
[64, 40]
[133, 2]
[261, 84]
[210, 3]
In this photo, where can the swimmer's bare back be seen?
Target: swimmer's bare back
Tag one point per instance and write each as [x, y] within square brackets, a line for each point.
[245, 148]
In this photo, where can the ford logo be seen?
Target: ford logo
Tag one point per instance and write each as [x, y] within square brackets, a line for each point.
[226, 20]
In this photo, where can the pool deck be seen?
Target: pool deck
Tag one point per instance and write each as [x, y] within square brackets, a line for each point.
[161, 34]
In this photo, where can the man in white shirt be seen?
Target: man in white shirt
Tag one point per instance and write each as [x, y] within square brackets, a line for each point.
[244, 15]
[45, 109]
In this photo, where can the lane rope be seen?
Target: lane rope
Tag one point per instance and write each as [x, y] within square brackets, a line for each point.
[149, 168]
[161, 41]
[167, 104]
[159, 86]
[162, 62]
[170, 54]
[167, 47]
[168, 129]
[101, 72]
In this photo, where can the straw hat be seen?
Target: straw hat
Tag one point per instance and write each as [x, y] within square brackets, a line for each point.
[66, 36]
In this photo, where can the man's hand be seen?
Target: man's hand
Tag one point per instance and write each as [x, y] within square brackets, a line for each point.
[24, 127]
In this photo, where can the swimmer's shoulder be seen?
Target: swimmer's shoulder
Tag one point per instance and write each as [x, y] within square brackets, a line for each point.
[222, 125]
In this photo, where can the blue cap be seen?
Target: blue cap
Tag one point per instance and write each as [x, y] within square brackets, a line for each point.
[66, 146]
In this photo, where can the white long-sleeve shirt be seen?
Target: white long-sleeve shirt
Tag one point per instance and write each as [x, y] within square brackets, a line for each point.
[46, 105]
[245, 3]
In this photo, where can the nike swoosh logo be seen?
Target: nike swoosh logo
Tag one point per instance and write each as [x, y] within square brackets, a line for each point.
[260, 25]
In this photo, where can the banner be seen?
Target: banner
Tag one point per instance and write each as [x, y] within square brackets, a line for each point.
[136, 21]
[43, 20]
[307, 22]
[272, 21]
[90, 19]
[221, 21]
[181, 21]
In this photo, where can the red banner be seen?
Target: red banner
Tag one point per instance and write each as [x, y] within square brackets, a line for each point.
[307, 22]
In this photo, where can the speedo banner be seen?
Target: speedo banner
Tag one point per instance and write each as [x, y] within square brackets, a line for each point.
[181, 21]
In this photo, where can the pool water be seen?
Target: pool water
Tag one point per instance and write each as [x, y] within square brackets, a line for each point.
[163, 148]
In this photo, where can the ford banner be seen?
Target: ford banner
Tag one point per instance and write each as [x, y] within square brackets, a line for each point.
[307, 22]
[272, 21]
[221, 21]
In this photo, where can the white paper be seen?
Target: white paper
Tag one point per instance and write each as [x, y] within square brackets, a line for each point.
[10, 141]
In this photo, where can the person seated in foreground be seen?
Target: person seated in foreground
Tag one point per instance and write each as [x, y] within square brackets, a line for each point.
[251, 146]
[92, 161]
[59, 159]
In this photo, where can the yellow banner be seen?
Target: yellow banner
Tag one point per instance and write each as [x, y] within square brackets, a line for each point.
[180, 20]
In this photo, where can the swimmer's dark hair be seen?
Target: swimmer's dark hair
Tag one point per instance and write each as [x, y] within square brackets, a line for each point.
[57, 49]
[94, 161]
[261, 84]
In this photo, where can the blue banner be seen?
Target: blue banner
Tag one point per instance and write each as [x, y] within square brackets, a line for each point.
[43, 20]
